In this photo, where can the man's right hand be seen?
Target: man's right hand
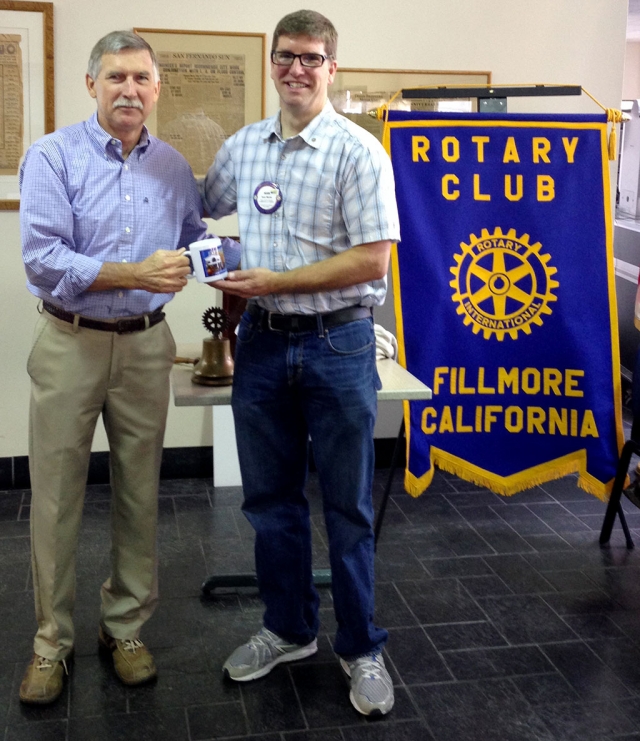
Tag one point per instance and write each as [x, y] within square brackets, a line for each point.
[163, 272]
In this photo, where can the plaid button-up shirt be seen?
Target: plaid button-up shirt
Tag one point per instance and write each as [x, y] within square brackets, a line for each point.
[337, 192]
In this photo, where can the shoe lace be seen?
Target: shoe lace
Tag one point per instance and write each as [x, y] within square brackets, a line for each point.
[43, 663]
[370, 667]
[132, 644]
[260, 640]
[264, 641]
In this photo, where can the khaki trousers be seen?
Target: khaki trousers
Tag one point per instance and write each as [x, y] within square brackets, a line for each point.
[76, 375]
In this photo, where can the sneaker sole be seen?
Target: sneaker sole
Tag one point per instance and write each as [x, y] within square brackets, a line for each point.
[374, 713]
[300, 653]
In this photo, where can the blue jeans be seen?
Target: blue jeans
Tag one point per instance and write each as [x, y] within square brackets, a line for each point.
[287, 387]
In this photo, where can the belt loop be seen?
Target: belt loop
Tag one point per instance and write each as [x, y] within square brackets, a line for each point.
[146, 321]
[76, 322]
[40, 306]
[320, 326]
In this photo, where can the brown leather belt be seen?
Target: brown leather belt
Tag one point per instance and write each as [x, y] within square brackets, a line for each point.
[121, 326]
[306, 322]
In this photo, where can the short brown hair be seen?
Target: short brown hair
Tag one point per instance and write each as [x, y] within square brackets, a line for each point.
[114, 43]
[308, 23]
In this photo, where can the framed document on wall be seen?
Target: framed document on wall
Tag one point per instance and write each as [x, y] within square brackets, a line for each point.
[26, 87]
[212, 85]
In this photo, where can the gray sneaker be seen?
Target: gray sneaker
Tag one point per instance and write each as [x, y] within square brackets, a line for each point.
[371, 686]
[261, 653]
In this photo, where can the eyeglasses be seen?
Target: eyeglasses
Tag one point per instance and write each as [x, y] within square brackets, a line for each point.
[286, 58]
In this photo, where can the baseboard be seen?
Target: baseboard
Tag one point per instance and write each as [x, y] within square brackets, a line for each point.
[177, 463]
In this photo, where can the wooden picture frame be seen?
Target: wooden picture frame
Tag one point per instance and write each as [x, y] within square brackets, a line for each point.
[27, 107]
[213, 83]
[355, 91]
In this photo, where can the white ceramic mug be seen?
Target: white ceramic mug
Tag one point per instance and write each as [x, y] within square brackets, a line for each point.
[207, 260]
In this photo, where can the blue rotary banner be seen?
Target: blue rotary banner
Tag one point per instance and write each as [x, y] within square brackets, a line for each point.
[505, 301]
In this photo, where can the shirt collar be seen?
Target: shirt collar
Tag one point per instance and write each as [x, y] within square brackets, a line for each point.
[105, 141]
[312, 132]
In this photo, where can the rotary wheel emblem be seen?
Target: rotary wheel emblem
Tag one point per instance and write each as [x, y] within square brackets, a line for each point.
[502, 283]
[215, 320]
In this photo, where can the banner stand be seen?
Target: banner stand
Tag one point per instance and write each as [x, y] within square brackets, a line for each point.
[614, 507]
[493, 99]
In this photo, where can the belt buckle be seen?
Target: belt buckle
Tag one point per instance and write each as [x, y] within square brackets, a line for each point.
[269, 327]
[123, 326]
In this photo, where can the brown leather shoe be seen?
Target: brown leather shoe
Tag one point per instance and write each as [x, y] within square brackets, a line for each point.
[132, 660]
[43, 681]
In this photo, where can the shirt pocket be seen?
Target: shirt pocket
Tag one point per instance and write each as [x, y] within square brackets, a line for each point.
[310, 203]
[160, 211]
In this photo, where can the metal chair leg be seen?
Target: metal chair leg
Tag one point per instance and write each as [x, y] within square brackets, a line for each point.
[625, 528]
[614, 507]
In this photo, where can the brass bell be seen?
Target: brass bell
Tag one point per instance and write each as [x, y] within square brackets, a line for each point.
[215, 367]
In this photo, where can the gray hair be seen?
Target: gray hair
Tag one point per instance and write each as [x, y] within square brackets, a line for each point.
[114, 43]
[308, 23]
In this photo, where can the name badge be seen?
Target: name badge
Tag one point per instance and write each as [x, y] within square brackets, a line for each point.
[267, 197]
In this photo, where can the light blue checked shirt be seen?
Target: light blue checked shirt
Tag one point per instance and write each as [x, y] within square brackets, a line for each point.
[82, 205]
[338, 192]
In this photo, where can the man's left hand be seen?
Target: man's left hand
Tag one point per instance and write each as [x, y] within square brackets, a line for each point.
[248, 283]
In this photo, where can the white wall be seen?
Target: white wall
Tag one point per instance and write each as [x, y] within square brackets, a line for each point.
[520, 41]
[631, 78]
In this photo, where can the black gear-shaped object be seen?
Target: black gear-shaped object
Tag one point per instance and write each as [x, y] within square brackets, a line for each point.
[215, 320]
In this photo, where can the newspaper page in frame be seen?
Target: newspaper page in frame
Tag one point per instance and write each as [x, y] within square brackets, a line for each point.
[12, 108]
[202, 103]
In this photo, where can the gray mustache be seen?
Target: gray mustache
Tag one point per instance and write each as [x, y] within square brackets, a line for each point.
[125, 103]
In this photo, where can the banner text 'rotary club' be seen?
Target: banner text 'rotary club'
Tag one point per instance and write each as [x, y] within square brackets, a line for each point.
[537, 149]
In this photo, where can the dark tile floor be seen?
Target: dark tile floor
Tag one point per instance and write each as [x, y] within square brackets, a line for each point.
[507, 621]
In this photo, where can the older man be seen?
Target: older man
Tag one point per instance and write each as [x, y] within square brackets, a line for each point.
[317, 214]
[104, 207]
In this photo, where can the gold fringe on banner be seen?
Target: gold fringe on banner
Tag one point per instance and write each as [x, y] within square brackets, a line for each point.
[573, 463]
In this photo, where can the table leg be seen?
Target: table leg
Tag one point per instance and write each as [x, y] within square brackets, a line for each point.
[321, 577]
[395, 461]
[226, 469]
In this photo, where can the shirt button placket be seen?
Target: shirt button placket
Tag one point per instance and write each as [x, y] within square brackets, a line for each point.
[277, 223]
[127, 233]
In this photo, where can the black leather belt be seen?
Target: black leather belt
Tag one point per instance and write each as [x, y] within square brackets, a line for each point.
[121, 326]
[306, 322]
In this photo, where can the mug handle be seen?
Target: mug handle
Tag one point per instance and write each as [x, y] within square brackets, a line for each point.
[187, 253]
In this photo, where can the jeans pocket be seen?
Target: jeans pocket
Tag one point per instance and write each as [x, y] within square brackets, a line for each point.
[352, 338]
[247, 329]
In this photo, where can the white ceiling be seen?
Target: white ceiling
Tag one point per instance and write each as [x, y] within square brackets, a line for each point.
[633, 22]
